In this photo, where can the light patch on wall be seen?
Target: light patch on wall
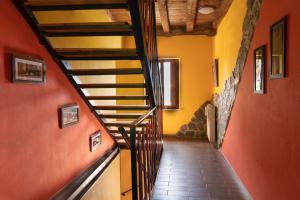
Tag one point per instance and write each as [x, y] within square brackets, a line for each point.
[167, 83]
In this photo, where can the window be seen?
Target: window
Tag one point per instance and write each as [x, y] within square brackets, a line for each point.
[170, 79]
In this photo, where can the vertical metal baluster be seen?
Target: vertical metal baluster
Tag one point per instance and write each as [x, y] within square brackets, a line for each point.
[148, 158]
[140, 166]
[144, 164]
[133, 163]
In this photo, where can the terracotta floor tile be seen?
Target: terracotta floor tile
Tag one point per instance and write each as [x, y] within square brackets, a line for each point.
[194, 170]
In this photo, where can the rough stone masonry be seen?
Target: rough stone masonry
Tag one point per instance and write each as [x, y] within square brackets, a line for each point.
[225, 100]
[196, 128]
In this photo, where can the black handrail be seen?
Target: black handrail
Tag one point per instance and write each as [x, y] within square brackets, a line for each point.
[139, 120]
[125, 136]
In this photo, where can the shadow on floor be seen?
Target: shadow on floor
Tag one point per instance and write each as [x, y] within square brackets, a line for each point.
[194, 170]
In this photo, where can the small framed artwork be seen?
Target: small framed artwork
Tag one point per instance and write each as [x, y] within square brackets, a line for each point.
[278, 37]
[95, 141]
[259, 70]
[216, 72]
[28, 70]
[69, 115]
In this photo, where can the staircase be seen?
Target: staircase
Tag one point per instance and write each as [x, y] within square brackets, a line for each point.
[63, 55]
[135, 127]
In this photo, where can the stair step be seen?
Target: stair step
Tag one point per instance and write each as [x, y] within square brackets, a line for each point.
[115, 131]
[122, 144]
[119, 137]
[48, 5]
[121, 116]
[112, 85]
[89, 72]
[86, 29]
[96, 54]
[117, 97]
[123, 107]
[119, 123]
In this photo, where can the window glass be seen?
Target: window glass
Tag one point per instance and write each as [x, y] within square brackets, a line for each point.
[170, 79]
[167, 84]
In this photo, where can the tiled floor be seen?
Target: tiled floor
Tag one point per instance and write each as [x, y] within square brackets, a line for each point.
[194, 170]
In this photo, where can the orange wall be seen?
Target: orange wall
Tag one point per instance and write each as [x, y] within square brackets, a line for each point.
[195, 53]
[262, 139]
[37, 157]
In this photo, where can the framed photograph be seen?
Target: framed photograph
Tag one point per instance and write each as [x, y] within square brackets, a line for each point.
[215, 70]
[259, 70]
[278, 37]
[95, 141]
[28, 70]
[69, 115]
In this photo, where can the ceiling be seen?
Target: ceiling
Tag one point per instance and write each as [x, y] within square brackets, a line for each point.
[181, 17]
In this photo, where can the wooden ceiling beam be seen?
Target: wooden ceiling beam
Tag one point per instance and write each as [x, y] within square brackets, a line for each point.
[164, 15]
[192, 6]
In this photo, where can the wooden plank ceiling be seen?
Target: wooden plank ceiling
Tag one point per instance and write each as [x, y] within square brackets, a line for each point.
[181, 17]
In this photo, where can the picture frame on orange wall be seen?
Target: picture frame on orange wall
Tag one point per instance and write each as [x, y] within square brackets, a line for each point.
[28, 70]
[259, 70]
[215, 69]
[69, 115]
[95, 141]
[278, 42]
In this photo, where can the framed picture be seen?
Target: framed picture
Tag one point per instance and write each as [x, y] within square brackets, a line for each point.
[69, 115]
[278, 37]
[28, 70]
[259, 70]
[95, 141]
[216, 72]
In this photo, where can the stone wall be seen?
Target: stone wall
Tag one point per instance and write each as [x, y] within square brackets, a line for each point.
[196, 128]
[225, 100]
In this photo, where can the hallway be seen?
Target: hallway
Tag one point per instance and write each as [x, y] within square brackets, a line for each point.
[194, 170]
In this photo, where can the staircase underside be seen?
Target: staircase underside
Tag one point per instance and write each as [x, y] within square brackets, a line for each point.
[110, 116]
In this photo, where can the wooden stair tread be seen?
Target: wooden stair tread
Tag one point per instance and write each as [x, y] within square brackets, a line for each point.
[120, 123]
[122, 144]
[96, 54]
[121, 116]
[114, 71]
[122, 107]
[114, 130]
[118, 135]
[86, 29]
[47, 5]
[112, 85]
[119, 97]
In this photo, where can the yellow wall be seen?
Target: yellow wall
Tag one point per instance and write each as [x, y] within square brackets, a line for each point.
[125, 174]
[128, 42]
[195, 53]
[228, 40]
[108, 185]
